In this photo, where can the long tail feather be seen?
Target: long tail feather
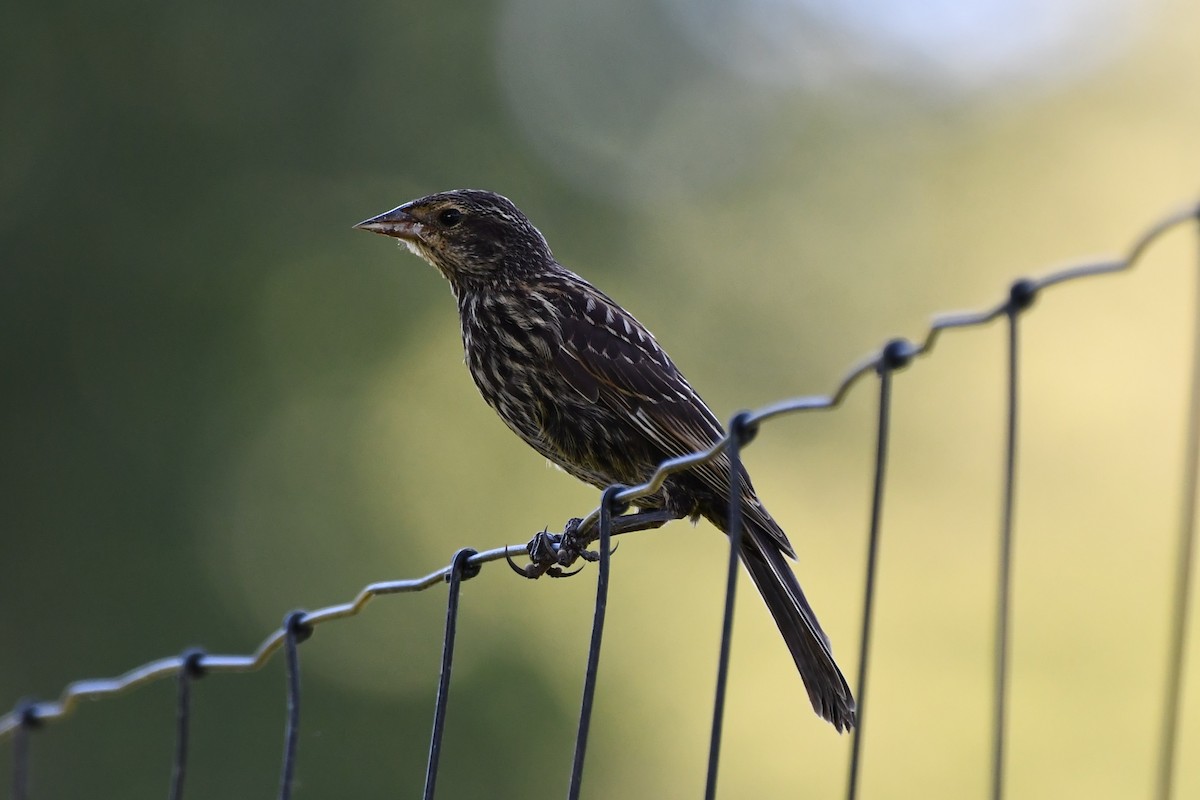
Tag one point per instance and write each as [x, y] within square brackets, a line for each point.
[827, 688]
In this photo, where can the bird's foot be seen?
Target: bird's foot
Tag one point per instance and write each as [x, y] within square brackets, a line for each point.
[553, 553]
[573, 544]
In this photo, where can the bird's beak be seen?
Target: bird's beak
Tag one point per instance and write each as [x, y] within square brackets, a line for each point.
[397, 222]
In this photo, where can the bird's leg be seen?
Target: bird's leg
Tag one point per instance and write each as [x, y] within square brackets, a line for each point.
[576, 538]
[571, 547]
[550, 553]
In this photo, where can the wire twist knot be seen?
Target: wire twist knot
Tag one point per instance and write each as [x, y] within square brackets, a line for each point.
[192, 663]
[741, 429]
[896, 355]
[1021, 295]
[461, 565]
[296, 627]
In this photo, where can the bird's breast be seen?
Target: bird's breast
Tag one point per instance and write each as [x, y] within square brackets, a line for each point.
[509, 346]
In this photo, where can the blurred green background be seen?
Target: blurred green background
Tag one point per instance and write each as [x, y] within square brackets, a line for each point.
[220, 403]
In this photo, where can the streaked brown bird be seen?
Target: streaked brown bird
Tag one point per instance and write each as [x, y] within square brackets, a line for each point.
[579, 379]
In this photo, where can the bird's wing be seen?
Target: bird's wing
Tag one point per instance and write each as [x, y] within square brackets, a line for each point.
[609, 358]
[612, 360]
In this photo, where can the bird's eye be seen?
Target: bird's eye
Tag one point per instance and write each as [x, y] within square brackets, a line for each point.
[449, 217]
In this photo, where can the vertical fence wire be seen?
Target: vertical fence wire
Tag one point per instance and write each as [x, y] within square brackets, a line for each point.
[739, 434]
[297, 632]
[1021, 297]
[593, 662]
[1181, 597]
[20, 751]
[188, 672]
[895, 355]
[459, 572]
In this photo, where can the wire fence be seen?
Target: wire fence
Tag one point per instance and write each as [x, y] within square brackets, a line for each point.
[605, 521]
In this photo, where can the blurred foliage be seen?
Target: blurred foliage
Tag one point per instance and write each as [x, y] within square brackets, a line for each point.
[220, 403]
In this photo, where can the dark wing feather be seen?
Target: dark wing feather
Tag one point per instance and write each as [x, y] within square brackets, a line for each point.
[611, 360]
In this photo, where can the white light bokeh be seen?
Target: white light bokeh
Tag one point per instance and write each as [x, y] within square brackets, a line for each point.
[944, 46]
[643, 102]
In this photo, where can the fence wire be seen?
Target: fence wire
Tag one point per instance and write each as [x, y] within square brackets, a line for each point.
[27, 716]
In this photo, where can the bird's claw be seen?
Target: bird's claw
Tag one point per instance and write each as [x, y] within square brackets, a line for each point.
[530, 571]
[543, 555]
[535, 571]
[552, 553]
[559, 572]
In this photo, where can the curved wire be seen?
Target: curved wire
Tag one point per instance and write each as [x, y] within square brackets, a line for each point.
[162, 668]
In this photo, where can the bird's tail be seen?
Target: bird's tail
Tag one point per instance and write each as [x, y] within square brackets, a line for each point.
[827, 689]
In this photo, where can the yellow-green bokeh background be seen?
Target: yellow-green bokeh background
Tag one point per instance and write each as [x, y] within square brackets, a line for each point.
[220, 403]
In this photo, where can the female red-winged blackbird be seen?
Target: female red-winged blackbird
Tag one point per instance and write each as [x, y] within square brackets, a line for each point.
[580, 380]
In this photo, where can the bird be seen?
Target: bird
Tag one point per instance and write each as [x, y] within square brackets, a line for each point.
[586, 385]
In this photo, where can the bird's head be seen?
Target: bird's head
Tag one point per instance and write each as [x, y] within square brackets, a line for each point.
[473, 237]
